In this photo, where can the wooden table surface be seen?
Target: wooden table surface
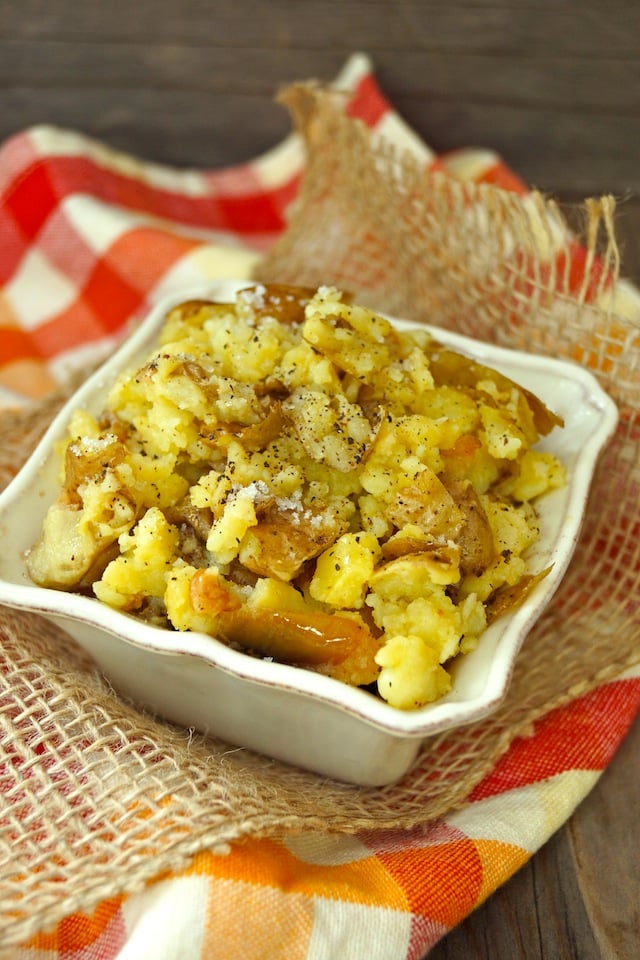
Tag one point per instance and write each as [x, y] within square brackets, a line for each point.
[553, 85]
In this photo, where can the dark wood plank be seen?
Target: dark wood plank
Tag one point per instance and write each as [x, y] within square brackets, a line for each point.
[628, 235]
[554, 87]
[579, 896]
[322, 24]
[237, 131]
[605, 838]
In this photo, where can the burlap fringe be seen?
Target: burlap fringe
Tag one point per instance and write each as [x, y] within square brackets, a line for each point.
[100, 798]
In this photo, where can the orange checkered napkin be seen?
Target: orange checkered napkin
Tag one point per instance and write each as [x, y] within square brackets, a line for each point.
[91, 238]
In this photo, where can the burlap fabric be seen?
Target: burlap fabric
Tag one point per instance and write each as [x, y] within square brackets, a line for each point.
[99, 797]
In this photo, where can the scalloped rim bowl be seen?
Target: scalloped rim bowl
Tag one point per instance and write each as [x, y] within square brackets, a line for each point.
[283, 711]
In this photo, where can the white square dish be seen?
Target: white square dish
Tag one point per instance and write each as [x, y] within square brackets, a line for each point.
[283, 711]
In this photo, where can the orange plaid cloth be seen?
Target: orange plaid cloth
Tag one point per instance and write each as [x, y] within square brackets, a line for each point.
[91, 238]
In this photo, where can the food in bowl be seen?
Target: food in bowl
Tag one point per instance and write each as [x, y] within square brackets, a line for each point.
[293, 474]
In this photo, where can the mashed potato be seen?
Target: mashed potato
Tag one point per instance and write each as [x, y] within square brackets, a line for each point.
[295, 476]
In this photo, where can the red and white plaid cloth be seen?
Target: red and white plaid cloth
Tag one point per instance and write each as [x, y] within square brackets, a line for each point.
[91, 238]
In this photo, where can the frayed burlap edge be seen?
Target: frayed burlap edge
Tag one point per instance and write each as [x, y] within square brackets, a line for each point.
[102, 798]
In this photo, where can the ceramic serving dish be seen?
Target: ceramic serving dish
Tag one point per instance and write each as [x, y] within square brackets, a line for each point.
[283, 711]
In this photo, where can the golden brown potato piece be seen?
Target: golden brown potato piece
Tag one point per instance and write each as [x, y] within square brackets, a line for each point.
[280, 544]
[331, 429]
[438, 564]
[285, 303]
[254, 436]
[508, 598]
[337, 646]
[189, 309]
[427, 503]
[475, 539]
[210, 595]
[87, 459]
[449, 367]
